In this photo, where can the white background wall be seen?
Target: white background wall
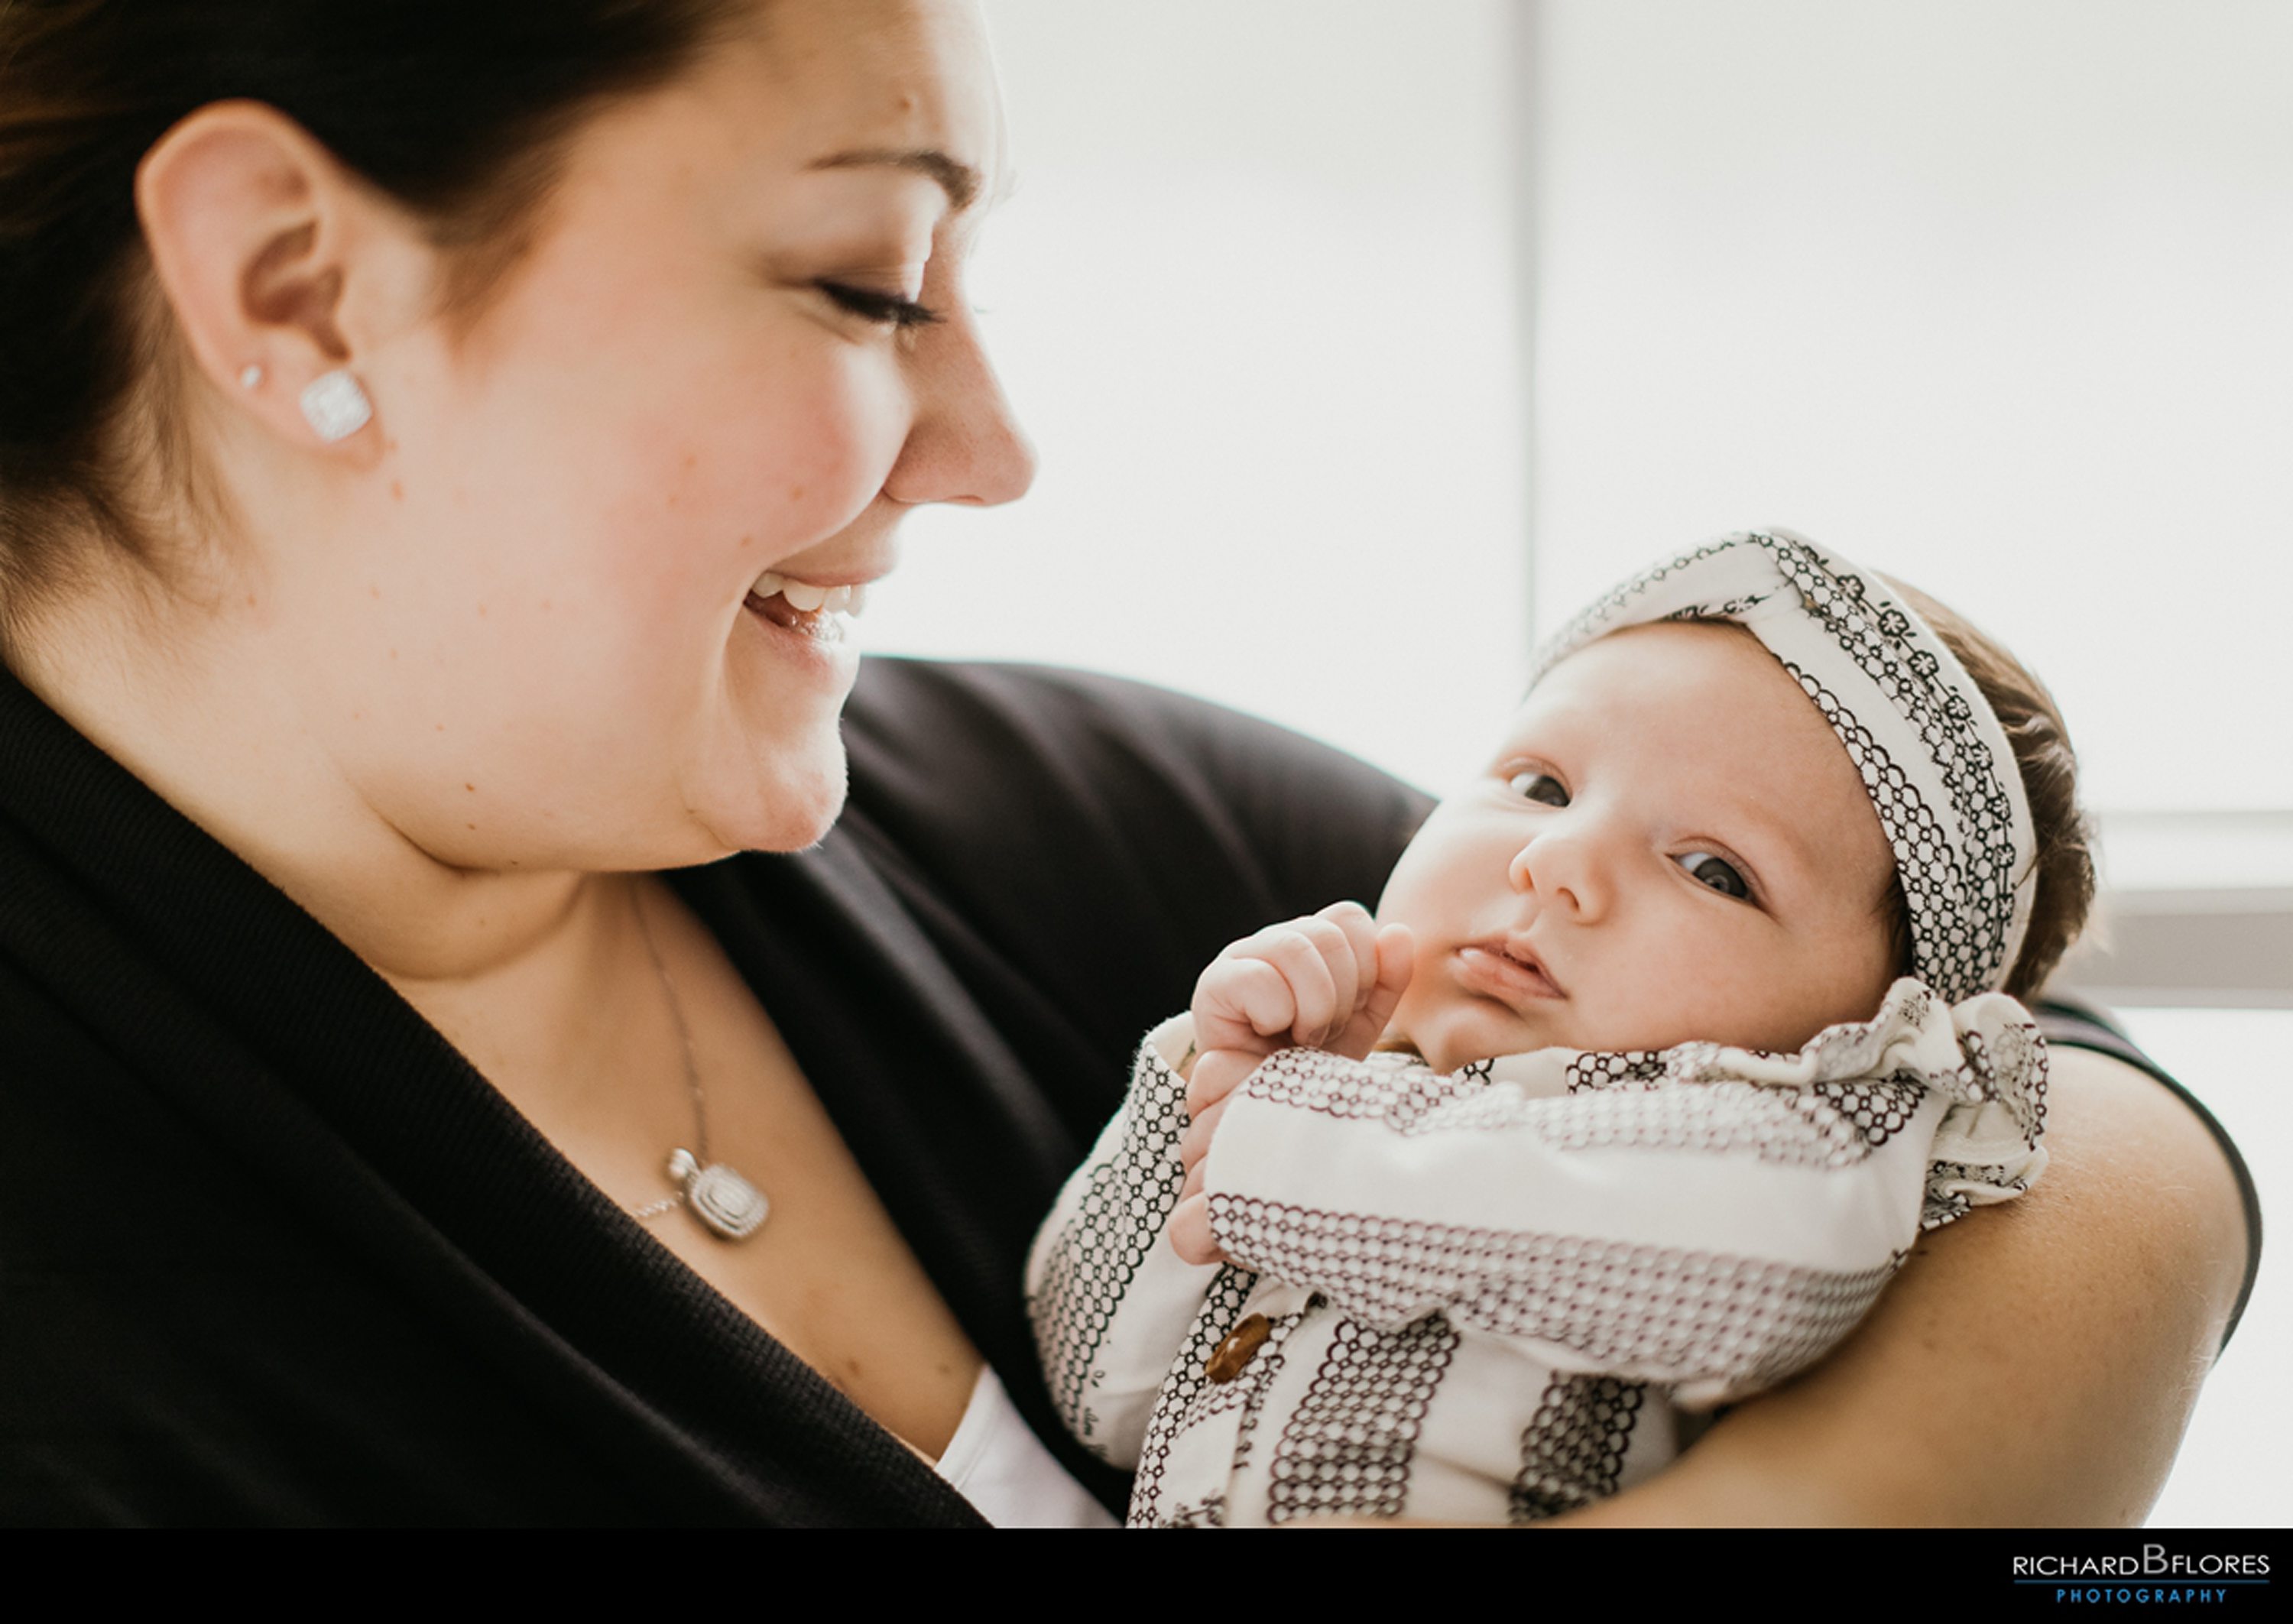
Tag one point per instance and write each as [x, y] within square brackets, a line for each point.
[1255, 301]
[1995, 294]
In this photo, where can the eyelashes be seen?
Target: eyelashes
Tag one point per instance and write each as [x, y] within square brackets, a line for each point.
[1724, 875]
[885, 310]
[1715, 873]
[1532, 783]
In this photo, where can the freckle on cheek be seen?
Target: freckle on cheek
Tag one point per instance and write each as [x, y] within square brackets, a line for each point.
[795, 492]
[397, 491]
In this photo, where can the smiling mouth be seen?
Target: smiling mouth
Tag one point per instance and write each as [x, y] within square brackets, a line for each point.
[1509, 974]
[824, 613]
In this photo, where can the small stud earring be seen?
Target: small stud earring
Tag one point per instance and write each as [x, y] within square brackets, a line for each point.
[335, 406]
[250, 378]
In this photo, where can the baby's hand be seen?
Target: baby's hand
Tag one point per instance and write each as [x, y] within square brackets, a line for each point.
[1329, 982]
[1326, 982]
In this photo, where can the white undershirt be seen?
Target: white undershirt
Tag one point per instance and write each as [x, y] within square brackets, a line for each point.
[997, 1463]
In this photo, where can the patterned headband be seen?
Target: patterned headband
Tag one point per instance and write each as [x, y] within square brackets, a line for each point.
[1932, 755]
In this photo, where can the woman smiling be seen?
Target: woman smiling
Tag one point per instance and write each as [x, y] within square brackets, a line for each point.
[436, 447]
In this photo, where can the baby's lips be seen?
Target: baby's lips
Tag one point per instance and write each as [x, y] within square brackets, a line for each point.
[1518, 946]
[1508, 969]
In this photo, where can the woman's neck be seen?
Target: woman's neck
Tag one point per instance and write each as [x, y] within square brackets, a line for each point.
[212, 720]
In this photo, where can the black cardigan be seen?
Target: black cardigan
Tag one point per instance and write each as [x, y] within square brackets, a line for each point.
[271, 1250]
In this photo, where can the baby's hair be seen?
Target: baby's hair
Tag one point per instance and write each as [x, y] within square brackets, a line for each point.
[2049, 768]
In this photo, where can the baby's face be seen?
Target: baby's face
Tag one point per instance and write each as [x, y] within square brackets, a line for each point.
[1671, 845]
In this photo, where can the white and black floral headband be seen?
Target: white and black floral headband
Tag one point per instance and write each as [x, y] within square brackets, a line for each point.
[1932, 752]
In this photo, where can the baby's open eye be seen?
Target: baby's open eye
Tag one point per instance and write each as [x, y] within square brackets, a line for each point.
[1540, 787]
[1716, 872]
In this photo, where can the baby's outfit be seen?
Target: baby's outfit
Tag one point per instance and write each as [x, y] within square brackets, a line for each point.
[1493, 1294]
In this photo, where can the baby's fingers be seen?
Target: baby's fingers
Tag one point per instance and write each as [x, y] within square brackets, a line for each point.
[1216, 1074]
[1357, 932]
[1241, 1003]
[1308, 955]
[1313, 957]
[1190, 1230]
[1194, 1143]
[1394, 955]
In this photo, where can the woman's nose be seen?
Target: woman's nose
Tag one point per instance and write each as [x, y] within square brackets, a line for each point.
[966, 444]
[1565, 868]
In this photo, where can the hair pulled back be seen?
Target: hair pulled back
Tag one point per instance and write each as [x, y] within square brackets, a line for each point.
[456, 108]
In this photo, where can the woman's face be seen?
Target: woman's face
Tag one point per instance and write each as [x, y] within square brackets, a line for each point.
[739, 344]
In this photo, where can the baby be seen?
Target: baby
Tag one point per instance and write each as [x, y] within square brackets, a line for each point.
[1675, 1028]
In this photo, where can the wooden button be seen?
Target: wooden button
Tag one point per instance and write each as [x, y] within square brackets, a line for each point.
[1232, 1356]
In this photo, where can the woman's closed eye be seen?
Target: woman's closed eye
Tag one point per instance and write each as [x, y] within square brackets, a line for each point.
[1542, 788]
[1716, 872]
[886, 310]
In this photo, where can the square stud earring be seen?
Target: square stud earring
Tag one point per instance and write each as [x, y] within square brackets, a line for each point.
[335, 406]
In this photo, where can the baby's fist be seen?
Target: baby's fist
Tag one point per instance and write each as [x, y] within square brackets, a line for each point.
[1330, 981]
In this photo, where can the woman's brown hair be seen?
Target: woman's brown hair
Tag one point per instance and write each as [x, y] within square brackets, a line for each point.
[457, 109]
[2049, 768]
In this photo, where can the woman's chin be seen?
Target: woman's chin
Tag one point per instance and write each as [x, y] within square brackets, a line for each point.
[774, 779]
[790, 803]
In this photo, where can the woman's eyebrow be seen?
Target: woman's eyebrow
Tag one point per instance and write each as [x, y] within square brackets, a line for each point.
[959, 180]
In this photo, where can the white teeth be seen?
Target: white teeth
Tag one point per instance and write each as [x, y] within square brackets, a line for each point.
[806, 599]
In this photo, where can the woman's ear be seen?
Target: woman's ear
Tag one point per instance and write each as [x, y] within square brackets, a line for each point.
[271, 256]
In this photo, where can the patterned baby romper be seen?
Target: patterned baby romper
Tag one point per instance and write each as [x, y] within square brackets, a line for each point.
[1490, 1296]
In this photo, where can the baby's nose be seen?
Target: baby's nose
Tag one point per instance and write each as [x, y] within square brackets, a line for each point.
[1564, 869]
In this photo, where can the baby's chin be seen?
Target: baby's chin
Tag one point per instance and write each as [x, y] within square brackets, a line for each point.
[1450, 1040]
[1450, 1045]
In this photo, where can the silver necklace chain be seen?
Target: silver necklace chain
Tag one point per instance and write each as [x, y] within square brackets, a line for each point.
[728, 1205]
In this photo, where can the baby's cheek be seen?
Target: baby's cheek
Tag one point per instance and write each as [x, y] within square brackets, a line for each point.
[1691, 987]
[1863, 978]
[1801, 1001]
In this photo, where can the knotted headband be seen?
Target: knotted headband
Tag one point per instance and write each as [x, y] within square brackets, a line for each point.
[1932, 755]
